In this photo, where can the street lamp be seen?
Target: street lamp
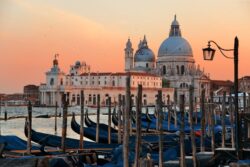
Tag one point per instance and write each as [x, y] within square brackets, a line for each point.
[208, 54]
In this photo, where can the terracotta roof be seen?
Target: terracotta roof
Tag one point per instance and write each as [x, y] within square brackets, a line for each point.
[118, 74]
[222, 82]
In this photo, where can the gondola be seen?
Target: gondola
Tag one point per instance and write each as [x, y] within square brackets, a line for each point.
[90, 132]
[14, 143]
[55, 141]
[102, 126]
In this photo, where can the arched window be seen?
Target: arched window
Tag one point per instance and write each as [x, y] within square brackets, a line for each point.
[177, 69]
[147, 65]
[52, 81]
[113, 83]
[182, 69]
[164, 70]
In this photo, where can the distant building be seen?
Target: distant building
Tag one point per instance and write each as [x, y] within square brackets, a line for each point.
[31, 92]
[220, 86]
[244, 84]
[13, 99]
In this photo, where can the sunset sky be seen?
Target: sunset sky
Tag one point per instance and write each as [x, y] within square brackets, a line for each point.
[95, 31]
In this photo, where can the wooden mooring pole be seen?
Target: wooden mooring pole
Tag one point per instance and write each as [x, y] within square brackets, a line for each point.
[82, 121]
[223, 120]
[160, 129]
[29, 122]
[244, 117]
[109, 120]
[126, 123]
[64, 121]
[191, 108]
[182, 134]
[202, 120]
[211, 108]
[231, 110]
[169, 111]
[119, 118]
[138, 126]
[175, 109]
[97, 119]
[56, 117]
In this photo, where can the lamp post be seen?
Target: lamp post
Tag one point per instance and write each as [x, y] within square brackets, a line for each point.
[208, 54]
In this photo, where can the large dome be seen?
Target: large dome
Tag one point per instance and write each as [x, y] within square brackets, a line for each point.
[175, 46]
[144, 55]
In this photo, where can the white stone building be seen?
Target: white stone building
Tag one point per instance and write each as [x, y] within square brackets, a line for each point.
[94, 84]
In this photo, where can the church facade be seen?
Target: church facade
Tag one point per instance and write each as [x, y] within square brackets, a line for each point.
[173, 71]
[175, 63]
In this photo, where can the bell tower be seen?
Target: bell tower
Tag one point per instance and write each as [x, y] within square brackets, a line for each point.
[129, 56]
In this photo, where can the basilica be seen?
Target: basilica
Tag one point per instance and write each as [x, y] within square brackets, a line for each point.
[173, 71]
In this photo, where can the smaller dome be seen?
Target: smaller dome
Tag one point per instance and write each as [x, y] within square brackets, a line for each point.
[144, 54]
[78, 63]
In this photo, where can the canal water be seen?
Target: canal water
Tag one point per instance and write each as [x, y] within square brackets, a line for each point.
[15, 126]
[46, 125]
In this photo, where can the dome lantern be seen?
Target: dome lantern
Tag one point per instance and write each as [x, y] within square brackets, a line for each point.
[175, 28]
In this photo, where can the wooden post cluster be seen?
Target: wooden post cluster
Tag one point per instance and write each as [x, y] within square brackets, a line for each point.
[191, 108]
[182, 134]
[97, 119]
[64, 121]
[82, 121]
[109, 120]
[138, 126]
[126, 123]
[29, 123]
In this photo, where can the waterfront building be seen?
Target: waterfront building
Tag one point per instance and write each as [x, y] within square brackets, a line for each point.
[103, 84]
[174, 71]
[244, 84]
